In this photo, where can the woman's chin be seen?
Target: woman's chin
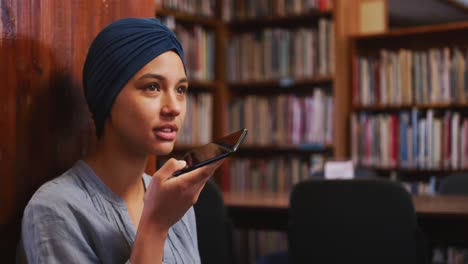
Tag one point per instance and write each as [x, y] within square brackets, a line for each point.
[164, 148]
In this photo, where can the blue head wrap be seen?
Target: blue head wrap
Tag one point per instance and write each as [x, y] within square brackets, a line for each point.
[118, 52]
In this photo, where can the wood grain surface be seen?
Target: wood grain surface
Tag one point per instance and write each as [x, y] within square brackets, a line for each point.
[44, 121]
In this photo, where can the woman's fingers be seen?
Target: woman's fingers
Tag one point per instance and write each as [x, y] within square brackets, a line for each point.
[186, 186]
[164, 173]
[171, 166]
[200, 175]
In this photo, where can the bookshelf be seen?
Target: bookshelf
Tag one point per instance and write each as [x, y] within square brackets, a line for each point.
[281, 20]
[274, 154]
[265, 149]
[260, 84]
[282, 83]
[190, 20]
[237, 19]
[413, 83]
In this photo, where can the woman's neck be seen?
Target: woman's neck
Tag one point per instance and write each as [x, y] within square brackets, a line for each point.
[119, 170]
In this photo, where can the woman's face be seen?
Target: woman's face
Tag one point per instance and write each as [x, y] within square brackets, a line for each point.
[150, 109]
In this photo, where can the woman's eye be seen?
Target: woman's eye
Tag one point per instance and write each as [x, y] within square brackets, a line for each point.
[182, 89]
[153, 87]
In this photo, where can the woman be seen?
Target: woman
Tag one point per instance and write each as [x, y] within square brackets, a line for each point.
[104, 209]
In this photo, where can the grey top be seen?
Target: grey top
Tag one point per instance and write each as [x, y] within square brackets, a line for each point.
[76, 218]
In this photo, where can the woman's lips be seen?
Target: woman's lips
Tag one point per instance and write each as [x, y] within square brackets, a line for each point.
[165, 134]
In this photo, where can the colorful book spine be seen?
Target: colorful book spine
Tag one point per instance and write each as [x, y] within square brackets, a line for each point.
[424, 139]
[405, 77]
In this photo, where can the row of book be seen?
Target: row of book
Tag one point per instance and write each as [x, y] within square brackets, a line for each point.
[197, 7]
[199, 48]
[406, 77]
[250, 245]
[411, 139]
[253, 244]
[421, 187]
[449, 255]
[284, 119]
[242, 9]
[276, 174]
[198, 125]
[276, 53]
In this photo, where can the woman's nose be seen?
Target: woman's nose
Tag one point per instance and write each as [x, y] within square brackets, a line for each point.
[171, 106]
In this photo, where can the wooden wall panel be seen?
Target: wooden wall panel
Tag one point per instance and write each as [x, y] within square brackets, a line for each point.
[345, 25]
[44, 122]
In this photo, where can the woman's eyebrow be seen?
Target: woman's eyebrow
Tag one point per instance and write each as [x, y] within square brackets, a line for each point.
[159, 77]
[152, 75]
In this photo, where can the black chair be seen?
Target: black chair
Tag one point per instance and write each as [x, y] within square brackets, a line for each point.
[283, 257]
[353, 221]
[214, 228]
[453, 184]
[456, 184]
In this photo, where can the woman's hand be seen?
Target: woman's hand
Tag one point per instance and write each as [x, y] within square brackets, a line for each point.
[166, 201]
[168, 198]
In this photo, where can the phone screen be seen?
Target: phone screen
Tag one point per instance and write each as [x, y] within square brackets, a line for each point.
[213, 151]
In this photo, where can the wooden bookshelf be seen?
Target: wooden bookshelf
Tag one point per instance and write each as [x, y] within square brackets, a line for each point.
[384, 108]
[188, 18]
[271, 88]
[434, 36]
[204, 85]
[415, 173]
[263, 86]
[275, 150]
[418, 41]
[279, 21]
[224, 91]
[282, 149]
[305, 148]
[442, 206]
[334, 84]
[289, 83]
[442, 218]
[415, 31]
[215, 87]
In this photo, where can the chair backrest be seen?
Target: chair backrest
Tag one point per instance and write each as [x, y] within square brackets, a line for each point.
[353, 221]
[214, 228]
[456, 184]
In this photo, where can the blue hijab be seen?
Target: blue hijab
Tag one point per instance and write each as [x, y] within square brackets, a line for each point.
[118, 52]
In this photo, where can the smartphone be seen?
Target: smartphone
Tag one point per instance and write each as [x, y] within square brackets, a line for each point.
[211, 152]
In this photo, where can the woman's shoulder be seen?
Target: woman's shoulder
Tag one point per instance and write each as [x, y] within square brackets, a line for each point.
[62, 193]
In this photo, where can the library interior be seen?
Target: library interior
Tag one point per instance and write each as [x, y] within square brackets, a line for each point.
[356, 112]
